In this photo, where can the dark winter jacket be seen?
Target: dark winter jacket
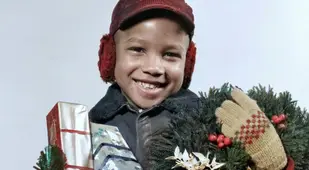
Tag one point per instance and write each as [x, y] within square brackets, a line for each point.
[137, 126]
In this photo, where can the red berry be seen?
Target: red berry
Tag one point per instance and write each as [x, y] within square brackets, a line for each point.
[220, 145]
[282, 117]
[212, 137]
[227, 141]
[220, 138]
[281, 126]
[275, 119]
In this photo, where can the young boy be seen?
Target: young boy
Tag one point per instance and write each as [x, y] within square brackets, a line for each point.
[149, 58]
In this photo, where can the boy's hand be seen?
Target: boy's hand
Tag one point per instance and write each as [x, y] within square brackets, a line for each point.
[243, 120]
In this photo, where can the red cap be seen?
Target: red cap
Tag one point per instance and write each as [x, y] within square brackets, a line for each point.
[126, 9]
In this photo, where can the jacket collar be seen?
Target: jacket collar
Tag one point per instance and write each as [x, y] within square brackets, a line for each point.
[107, 107]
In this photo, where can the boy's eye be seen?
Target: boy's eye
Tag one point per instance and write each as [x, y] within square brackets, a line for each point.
[171, 54]
[137, 49]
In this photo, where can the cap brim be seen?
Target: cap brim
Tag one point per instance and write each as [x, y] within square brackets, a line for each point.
[186, 20]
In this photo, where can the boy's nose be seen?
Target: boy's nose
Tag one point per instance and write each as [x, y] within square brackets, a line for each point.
[153, 65]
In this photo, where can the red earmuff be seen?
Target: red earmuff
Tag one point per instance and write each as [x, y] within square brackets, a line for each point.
[107, 58]
[189, 67]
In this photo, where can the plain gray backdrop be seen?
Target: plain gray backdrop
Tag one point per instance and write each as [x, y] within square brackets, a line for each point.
[49, 54]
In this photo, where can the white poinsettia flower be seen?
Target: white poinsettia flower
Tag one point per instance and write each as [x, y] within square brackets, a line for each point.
[177, 155]
[215, 165]
[189, 161]
[185, 156]
[204, 160]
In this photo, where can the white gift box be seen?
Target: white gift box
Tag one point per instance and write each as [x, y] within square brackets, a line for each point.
[68, 128]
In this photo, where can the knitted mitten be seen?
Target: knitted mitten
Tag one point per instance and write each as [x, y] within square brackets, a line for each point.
[243, 120]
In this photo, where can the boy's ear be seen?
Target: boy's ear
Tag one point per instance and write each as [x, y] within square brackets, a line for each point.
[107, 58]
[189, 67]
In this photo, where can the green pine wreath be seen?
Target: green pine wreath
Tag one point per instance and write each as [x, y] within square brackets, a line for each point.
[189, 130]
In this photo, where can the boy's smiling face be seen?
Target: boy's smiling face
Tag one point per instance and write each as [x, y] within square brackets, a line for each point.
[150, 60]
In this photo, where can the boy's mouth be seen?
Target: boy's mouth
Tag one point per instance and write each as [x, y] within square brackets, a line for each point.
[149, 85]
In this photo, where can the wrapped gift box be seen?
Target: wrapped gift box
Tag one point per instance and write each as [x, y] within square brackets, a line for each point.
[68, 128]
[110, 150]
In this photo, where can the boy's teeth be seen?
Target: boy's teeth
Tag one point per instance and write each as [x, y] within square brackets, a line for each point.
[147, 85]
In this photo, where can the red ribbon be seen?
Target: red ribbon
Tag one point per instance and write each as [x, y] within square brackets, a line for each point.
[78, 167]
[291, 164]
[75, 131]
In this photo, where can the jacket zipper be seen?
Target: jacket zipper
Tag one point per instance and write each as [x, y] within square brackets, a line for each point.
[140, 113]
[136, 126]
